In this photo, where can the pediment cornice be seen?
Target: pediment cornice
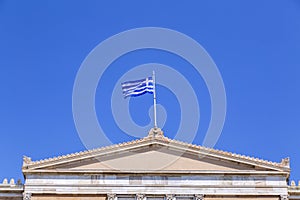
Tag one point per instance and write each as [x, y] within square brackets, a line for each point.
[175, 145]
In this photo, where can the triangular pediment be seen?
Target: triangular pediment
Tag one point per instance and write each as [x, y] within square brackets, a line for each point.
[155, 159]
[159, 154]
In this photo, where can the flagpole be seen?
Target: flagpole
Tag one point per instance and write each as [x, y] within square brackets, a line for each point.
[154, 100]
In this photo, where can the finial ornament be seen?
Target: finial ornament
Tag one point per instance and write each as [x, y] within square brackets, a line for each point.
[155, 132]
[19, 182]
[26, 160]
[293, 184]
[12, 181]
[5, 181]
[286, 162]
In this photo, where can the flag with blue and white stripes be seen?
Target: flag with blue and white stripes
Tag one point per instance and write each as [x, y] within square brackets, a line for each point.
[138, 87]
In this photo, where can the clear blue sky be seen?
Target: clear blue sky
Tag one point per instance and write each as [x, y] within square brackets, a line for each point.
[255, 44]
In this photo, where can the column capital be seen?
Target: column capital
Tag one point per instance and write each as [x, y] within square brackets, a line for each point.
[199, 197]
[284, 197]
[26, 196]
[111, 196]
[170, 197]
[140, 196]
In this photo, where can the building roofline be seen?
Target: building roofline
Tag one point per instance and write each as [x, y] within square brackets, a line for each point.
[284, 165]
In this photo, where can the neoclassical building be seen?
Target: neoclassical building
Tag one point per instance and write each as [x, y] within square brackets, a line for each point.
[152, 168]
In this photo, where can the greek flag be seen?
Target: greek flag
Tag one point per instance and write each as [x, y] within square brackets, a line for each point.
[138, 87]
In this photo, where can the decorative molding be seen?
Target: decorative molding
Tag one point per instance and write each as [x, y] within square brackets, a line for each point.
[159, 140]
[170, 197]
[140, 196]
[111, 197]
[199, 197]
[284, 197]
[26, 196]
